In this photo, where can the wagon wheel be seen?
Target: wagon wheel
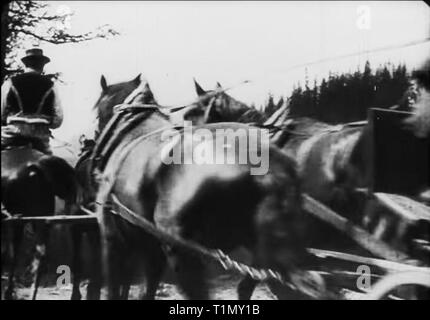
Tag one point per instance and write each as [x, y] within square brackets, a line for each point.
[389, 283]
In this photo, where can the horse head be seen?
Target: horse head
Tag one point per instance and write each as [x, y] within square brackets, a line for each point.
[113, 95]
[217, 106]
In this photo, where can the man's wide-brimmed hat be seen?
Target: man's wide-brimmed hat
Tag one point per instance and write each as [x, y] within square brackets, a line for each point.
[35, 55]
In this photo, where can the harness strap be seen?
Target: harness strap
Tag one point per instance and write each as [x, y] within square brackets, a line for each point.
[105, 135]
[42, 102]
[109, 147]
[18, 98]
[111, 176]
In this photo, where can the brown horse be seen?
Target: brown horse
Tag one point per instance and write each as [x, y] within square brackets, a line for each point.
[30, 181]
[218, 206]
[217, 106]
[332, 160]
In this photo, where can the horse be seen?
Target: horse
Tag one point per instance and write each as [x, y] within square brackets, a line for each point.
[332, 160]
[321, 144]
[30, 181]
[218, 206]
[223, 108]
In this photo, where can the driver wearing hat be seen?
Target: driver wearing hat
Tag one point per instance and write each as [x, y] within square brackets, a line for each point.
[29, 104]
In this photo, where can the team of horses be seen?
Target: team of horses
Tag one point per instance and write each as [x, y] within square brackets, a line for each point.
[332, 160]
[219, 206]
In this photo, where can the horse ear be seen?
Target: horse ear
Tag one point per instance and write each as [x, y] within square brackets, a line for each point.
[103, 83]
[218, 85]
[82, 138]
[137, 79]
[146, 88]
[199, 89]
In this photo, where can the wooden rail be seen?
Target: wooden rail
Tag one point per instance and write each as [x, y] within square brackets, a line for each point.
[65, 219]
[402, 206]
[359, 235]
[392, 281]
[390, 266]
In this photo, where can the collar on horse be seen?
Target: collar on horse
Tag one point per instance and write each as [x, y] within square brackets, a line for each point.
[126, 117]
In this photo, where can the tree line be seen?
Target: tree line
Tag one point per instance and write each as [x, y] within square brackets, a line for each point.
[346, 97]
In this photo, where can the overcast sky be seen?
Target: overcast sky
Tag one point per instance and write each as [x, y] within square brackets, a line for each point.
[172, 42]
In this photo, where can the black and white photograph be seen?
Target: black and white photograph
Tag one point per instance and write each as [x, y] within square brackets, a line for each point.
[215, 150]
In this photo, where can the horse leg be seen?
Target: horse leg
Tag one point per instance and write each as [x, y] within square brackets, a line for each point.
[125, 290]
[39, 261]
[246, 287]
[113, 271]
[94, 285]
[190, 272]
[154, 268]
[77, 261]
[127, 273]
[17, 236]
[111, 262]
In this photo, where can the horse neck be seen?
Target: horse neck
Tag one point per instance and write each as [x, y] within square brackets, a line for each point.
[240, 112]
[252, 115]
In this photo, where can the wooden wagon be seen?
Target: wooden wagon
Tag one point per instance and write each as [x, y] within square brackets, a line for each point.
[395, 226]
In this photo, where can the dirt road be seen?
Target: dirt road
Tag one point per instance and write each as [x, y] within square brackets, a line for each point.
[223, 287]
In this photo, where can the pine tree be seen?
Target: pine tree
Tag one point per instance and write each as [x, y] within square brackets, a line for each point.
[347, 97]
